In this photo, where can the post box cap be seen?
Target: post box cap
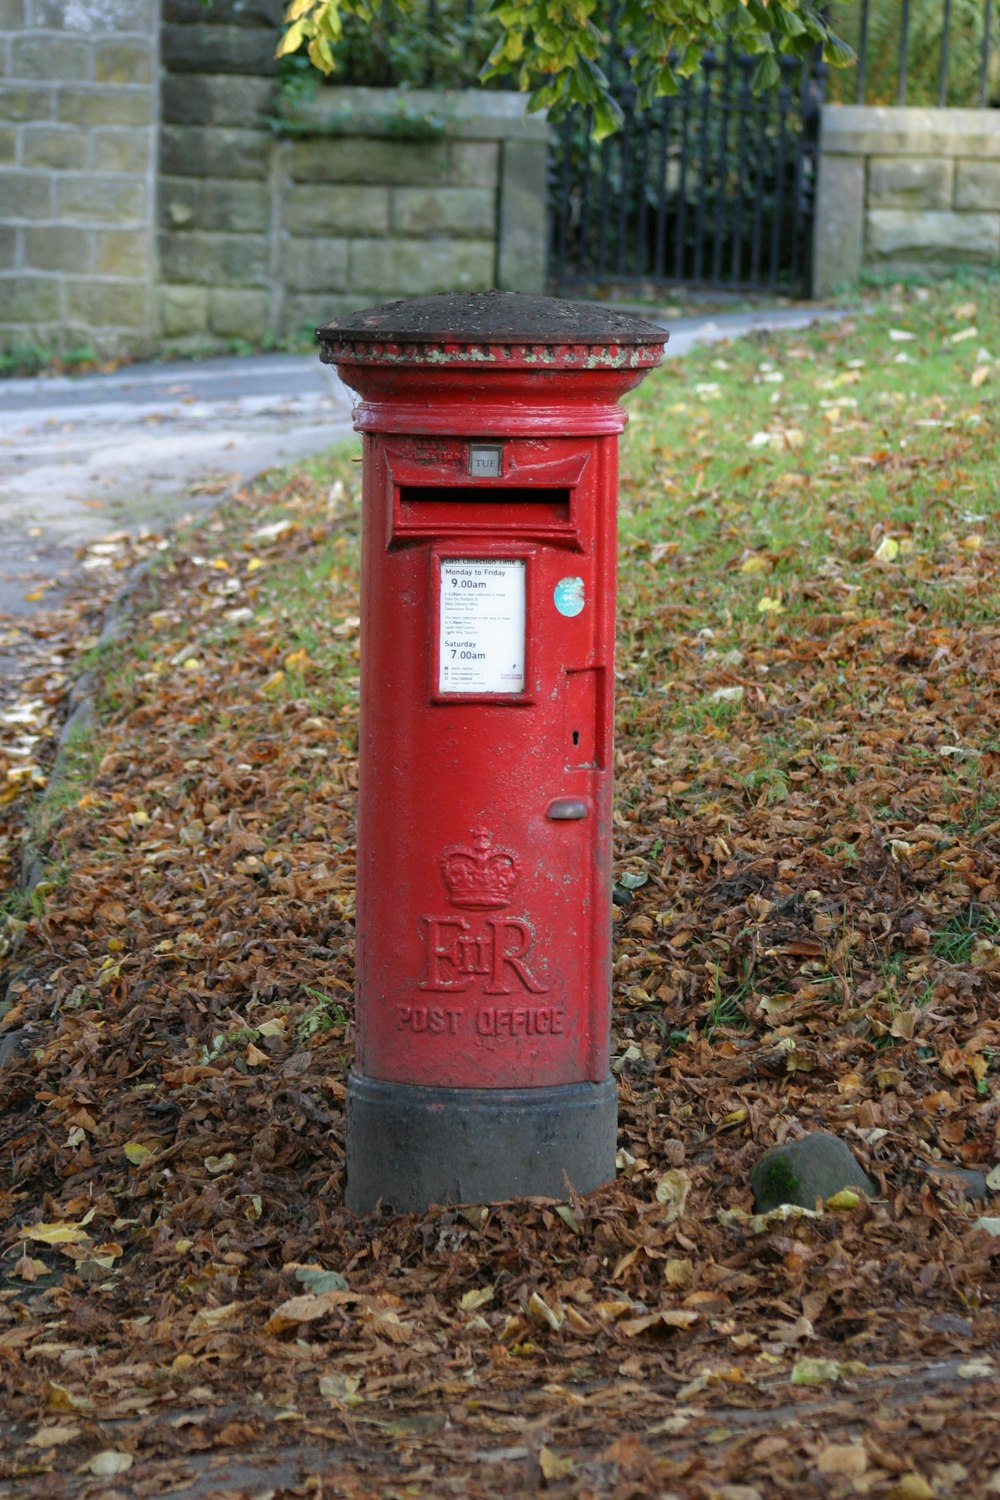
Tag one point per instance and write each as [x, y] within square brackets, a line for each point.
[488, 327]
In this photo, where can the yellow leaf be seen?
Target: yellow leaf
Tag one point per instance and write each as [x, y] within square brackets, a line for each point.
[971, 543]
[298, 661]
[277, 1026]
[217, 1164]
[848, 1459]
[219, 564]
[107, 1463]
[60, 1399]
[672, 1189]
[552, 1466]
[55, 1234]
[343, 1388]
[136, 1152]
[756, 564]
[678, 1273]
[274, 681]
[980, 374]
[254, 1208]
[542, 1312]
[769, 606]
[51, 1437]
[254, 564]
[192, 664]
[911, 1487]
[210, 1319]
[814, 1371]
[478, 1297]
[292, 39]
[887, 550]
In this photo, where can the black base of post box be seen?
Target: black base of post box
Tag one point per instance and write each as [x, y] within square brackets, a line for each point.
[410, 1146]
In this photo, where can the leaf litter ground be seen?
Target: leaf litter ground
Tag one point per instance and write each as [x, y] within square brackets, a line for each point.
[807, 937]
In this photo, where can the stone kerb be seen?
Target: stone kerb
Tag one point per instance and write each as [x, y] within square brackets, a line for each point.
[77, 163]
[903, 189]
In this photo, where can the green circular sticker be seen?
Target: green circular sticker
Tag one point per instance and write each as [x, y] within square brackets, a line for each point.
[568, 596]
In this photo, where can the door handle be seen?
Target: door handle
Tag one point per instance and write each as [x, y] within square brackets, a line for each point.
[566, 809]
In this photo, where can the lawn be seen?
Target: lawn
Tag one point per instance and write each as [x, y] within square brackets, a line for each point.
[807, 921]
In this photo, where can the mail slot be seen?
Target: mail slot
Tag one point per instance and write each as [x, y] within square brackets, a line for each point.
[483, 953]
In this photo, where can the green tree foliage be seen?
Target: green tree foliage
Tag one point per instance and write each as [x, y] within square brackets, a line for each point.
[553, 47]
[967, 22]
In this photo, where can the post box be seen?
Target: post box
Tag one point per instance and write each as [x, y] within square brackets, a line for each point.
[490, 425]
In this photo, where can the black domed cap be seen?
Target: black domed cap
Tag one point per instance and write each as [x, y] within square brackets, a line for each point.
[492, 318]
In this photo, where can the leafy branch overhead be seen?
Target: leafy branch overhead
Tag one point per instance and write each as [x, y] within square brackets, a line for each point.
[554, 49]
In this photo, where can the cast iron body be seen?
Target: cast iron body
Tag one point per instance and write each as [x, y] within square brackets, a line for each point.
[490, 427]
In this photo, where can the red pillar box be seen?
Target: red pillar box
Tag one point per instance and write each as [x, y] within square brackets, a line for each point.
[490, 427]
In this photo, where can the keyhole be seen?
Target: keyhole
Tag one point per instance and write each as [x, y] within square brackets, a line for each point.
[576, 737]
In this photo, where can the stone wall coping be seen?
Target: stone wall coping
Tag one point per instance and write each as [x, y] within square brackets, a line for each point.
[465, 114]
[877, 130]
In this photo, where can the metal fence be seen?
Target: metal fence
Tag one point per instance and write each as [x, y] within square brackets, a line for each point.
[938, 53]
[710, 188]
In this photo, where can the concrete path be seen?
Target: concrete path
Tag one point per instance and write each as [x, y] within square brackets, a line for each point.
[84, 455]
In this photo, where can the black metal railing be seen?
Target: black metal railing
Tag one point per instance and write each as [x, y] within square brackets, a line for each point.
[712, 187]
[941, 53]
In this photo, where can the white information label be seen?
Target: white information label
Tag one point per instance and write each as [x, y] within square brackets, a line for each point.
[481, 626]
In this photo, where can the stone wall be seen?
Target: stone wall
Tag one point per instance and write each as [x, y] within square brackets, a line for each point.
[392, 196]
[904, 189]
[78, 101]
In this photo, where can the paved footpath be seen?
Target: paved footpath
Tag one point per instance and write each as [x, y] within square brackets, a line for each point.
[85, 455]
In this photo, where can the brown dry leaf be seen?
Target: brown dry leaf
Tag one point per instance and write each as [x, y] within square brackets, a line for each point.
[53, 1437]
[847, 1459]
[211, 1319]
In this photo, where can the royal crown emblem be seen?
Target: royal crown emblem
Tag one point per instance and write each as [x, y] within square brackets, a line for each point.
[477, 876]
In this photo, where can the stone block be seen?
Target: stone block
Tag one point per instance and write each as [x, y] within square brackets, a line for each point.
[191, 151]
[910, 182]
[57, 247]
[219, 99]
[870, 130]
[12, 15]
[121, 252]
[977, 184]
[474, 164]
[838, 224]
[337, 209]
[219, 49]
[316, 265]
[236, 207]
[306, 311]
[49, 57]
[122, 62]
[8, 145]
[264, 13]
[936, 238]
[468, 213]
[29, 299]
[121, 150]
[200, 259]
[24, 102]
[58, 147]
[105, 304]
[182, 310]
[101, 199]
[522, 228]
[359, 159]
[109, 17]
[25, 195]
[8, 247]
[413, 268]
[238, 315]
[80, 104]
